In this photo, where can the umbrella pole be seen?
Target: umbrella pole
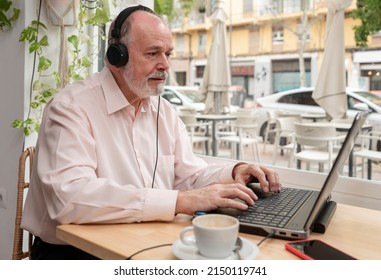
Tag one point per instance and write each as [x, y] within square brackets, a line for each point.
[217, 102]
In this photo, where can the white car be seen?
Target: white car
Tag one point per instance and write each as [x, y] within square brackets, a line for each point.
[184, 97]
[301, 101]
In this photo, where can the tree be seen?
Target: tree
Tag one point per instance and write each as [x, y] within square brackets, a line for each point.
[368, 12]
[301, 32]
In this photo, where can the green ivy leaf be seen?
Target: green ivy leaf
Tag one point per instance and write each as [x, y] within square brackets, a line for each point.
[99, 18]
[4, 21]
[34, 47]
[37, 85]
[77, 77]
[28, 34]
[17, 124]
[28, 121]
[16, 14]
[73, 39]
[44, 41]
[86, 61]
[44, 63]
[37, 127]
[47, 93]
[34, 105]
[5, 5]
[39, 24]
[27, 131]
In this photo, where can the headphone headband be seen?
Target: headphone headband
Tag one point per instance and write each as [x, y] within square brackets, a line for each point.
[117, 53]
[123, 15]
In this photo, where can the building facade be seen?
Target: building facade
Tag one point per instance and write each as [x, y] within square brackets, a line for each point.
[268, 43]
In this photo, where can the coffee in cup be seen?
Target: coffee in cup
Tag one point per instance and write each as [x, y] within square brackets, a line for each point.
[215, 235]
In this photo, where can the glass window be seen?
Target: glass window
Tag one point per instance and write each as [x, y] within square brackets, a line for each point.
[200, 71]
[300, 98]
[180, 45]
[202, 41]
[168, 95]
[373, 98]
[277, 35]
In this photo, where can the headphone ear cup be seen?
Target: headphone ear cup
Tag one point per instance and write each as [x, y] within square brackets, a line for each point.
[117, 54]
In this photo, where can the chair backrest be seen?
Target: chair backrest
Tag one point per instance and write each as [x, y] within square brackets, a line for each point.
[247, 119]
[188, 118]
[310, 134]
[18, 252]
[286, 124]
[246, 125]
[370, 140]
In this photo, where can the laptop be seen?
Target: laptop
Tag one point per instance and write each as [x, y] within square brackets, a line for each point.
[311, 213]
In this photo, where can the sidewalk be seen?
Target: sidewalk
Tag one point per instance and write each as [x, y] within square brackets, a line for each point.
[282, 160]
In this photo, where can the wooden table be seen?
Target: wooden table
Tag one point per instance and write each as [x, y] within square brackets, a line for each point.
[352, 229]
[214, 118]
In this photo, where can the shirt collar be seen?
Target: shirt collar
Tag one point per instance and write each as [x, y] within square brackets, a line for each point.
[115, 100]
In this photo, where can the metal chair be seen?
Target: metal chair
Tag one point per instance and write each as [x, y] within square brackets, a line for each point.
[366, 153]
[245, 128]
[197, 131]
[18, 250]
[284, 129]
[315, 144]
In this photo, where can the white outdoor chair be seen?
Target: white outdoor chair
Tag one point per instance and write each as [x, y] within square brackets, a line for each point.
[245, 128]
[270, 128]
[227, 128]
[284, 129]
[315, 144]
[366, 153]
[198, 131]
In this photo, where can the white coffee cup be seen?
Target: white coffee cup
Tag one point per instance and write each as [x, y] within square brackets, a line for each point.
[214, 235]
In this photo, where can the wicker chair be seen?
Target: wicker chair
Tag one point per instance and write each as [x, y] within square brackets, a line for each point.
[18, 253]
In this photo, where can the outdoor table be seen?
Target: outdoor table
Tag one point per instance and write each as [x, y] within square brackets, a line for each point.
[214, 118]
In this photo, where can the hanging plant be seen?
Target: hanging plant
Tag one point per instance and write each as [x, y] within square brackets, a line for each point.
[49, 81]
[5, 19]
[41, 90]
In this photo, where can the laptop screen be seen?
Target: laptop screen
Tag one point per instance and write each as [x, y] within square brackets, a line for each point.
[337, 166]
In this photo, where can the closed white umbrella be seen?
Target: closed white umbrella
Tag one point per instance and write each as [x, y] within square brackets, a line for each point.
[216, 79]
[330, 87]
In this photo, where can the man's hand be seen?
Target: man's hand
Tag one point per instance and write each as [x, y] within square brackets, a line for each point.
[247, 173]
[213, 197]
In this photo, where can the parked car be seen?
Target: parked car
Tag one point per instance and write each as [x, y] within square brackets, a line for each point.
[189, 97]
[184, 97]
[301, 101]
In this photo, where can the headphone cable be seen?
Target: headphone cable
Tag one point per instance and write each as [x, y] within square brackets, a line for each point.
[157, 142]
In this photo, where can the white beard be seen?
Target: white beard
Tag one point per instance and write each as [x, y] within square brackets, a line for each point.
[142, 88]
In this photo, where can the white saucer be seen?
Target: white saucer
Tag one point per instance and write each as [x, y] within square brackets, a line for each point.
[249, 251]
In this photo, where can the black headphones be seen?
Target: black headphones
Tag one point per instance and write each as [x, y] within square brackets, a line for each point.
[117, 53]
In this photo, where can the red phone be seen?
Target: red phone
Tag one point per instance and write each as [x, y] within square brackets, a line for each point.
[316, 250]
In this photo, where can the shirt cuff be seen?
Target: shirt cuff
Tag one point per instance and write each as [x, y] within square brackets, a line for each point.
[160, 205]
[226, 175]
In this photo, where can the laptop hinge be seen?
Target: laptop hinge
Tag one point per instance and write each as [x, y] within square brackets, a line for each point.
[321, 223]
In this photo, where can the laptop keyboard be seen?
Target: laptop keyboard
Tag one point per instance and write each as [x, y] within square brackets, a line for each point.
[277, 209]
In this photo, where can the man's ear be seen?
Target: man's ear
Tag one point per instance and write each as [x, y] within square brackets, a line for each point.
[115, 70]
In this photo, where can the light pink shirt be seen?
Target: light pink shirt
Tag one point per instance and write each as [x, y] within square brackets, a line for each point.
[95, 160]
